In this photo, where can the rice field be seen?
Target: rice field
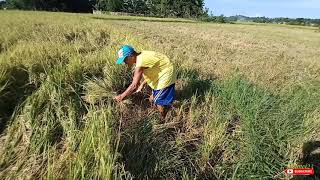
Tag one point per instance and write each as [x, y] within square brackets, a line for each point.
[247, 99]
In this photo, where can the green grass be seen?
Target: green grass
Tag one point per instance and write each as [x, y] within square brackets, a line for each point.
[270, 126]
[247, 99]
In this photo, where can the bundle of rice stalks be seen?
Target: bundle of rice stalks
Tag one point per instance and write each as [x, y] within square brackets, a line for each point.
[3, 82]
[97, 91]
[117, 77]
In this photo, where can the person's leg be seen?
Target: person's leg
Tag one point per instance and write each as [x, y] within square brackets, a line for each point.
[163, 100]
[163, 111]
[151, 100]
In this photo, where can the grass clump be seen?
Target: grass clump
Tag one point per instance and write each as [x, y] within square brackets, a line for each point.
[58, 118]
[268, 126]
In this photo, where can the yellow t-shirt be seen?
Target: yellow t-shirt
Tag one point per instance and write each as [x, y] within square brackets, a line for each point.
[160, 71]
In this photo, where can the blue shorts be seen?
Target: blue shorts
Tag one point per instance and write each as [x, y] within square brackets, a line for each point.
[164, 97]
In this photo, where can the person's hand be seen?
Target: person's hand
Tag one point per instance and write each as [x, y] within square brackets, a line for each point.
[118, 98]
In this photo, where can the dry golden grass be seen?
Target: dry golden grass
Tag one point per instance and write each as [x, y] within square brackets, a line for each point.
[270, 55]
[244, 92]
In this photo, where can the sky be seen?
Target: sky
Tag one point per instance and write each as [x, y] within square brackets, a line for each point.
[268, 8]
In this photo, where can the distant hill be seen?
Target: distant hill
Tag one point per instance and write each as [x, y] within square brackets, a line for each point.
[280, 20]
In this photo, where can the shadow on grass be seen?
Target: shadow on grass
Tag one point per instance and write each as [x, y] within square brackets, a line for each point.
[151, 152]
[143, 19]
[137, 150]
[311, 157]
[15, 92]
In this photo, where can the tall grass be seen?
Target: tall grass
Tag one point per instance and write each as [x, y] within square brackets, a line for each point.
[271, 126]
[58, 119]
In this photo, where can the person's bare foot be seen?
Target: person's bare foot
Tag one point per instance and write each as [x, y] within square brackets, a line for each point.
[164, 113]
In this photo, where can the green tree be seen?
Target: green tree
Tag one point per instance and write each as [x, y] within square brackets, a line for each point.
[221, 19]
[160, 8]
[108, 5]
[52, 5]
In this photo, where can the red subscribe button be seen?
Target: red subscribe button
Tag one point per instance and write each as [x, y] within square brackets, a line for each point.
[300, 171]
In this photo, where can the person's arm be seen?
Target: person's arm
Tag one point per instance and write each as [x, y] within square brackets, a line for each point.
[141, 86]
[134, 85]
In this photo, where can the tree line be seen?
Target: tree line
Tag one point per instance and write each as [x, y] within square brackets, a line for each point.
[158, 8]
[51, 5]
[280, 20]
[290, 21]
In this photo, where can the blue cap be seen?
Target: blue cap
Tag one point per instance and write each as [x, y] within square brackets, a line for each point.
[124, 52]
